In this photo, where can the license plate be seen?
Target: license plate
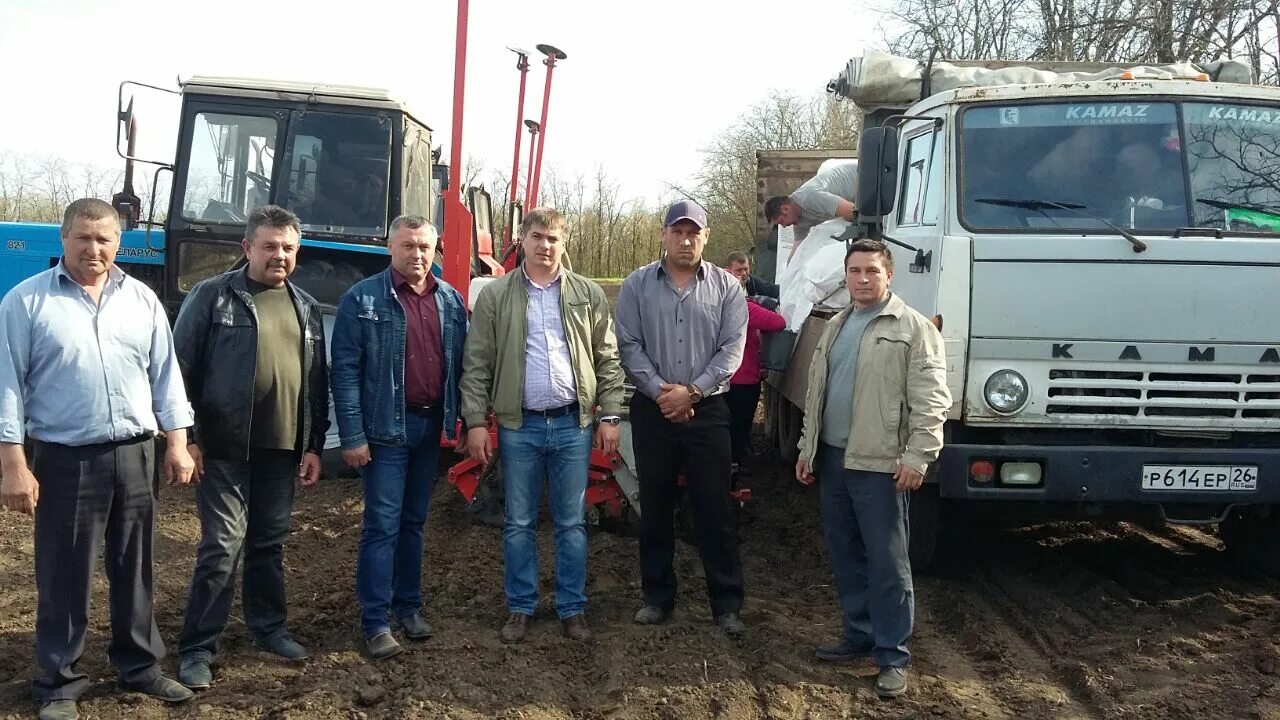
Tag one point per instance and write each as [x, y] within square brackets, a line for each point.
[1213, 478]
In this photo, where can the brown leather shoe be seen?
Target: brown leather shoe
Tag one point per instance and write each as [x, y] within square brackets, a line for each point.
[576, 628]
[516, 627]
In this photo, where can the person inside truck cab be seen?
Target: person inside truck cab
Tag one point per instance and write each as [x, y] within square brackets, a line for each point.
[1149, 177]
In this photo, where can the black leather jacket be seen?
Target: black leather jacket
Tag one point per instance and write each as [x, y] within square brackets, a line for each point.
[216, 336]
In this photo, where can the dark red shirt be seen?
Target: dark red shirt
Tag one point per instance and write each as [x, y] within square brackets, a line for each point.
[423, 344]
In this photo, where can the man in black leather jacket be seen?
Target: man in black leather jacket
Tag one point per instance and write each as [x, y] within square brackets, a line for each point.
[252, 352]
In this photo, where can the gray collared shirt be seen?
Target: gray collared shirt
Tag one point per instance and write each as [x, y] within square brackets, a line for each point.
[76, 373]
[694, 336]
[548, 368]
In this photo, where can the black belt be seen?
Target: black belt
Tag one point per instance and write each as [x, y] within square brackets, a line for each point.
[425, 410]
[554, 412]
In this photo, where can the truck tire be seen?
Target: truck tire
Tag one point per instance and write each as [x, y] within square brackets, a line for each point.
[923, 517]
[1252, 536]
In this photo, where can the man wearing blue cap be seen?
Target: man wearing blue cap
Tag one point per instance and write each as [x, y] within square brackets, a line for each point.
[681, 326]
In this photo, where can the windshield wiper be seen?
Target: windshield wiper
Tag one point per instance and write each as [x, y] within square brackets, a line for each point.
[1224, 205]
[1042, 205]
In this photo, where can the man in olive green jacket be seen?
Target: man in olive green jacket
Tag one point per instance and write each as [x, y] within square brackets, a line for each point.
[873, 417]
[541, 354]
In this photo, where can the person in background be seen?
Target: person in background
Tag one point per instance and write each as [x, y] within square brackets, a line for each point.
[739, 265]
[744, 386]
[828, 194]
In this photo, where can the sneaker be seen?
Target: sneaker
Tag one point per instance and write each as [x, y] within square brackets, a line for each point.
[383, 646]
[415, 628]
[576, 628]
[194, 672]
[891, 682]
[731, 625]
[58, 710]
[842, 651]
[651, 615]
[515, 628]
[284, 646]
[161, 688]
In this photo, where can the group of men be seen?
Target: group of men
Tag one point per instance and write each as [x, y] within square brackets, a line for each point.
[91, 373]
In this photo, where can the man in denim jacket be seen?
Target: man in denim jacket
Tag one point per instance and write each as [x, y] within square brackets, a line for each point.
[397, 354]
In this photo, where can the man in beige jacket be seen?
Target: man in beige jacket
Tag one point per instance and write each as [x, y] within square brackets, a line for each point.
[541, 354]
[874, 411]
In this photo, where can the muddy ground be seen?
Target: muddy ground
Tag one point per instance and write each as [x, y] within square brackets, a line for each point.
[1053, 621]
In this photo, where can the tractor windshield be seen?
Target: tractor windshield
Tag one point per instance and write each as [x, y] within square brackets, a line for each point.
[337, 168]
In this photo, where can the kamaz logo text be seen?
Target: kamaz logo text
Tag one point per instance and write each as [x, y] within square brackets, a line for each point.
[1194, 353]
[1106, 112]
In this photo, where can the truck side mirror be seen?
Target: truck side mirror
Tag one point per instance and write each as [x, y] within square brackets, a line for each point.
[877, 173]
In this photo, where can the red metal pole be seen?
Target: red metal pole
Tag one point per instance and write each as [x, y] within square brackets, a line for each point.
[553, 54]
[457, 223]
[522, 64]
[533, 145]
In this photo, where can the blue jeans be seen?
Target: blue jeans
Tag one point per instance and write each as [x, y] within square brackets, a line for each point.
[558, 449]
[397, 490]
[866, 525]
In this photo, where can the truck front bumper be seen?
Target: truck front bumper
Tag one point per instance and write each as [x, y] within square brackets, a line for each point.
[1105, 474]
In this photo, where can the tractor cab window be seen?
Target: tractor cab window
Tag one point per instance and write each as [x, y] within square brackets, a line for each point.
[418, 189]
[229, 172]
[337, 169]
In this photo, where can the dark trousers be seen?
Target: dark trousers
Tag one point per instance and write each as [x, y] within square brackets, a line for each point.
[700, 449]
[865, 520]
[244, 512]
[742, 400]
[87, 494]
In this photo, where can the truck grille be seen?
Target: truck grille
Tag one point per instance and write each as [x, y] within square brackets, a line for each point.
[1163, 395]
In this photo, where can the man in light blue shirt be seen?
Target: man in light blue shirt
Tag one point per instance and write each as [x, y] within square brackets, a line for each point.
[89, 374]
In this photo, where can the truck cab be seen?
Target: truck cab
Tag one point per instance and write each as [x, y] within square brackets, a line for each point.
[1101, 258]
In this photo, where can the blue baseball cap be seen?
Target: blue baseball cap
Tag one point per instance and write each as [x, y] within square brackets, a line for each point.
[686, 210]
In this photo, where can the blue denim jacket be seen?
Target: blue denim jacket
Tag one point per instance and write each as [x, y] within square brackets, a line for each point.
[367, 363]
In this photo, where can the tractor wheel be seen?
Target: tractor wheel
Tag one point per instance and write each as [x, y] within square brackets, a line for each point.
[1252, 535]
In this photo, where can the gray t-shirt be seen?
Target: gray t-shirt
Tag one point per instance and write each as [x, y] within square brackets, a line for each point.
[842, 366]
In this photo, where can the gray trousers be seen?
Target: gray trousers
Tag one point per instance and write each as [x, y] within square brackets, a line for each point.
[89, 494]
[244, 515]
[866, 526]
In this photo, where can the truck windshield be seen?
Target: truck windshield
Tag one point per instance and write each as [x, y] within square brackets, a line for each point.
[1145, 166]
[337, 170]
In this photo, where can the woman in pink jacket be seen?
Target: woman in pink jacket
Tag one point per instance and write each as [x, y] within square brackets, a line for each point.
[744, 387]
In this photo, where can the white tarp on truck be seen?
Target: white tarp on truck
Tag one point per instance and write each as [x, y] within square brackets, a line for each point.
[879, 79]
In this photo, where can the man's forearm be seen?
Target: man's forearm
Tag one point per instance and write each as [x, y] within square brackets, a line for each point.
[176, 438]
[12, 457]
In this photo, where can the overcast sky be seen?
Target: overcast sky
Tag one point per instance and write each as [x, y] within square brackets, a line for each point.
[645, 86]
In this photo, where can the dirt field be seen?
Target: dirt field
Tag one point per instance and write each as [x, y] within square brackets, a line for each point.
[1055, 621]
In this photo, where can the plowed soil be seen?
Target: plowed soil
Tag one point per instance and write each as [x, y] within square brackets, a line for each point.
[1056, 620]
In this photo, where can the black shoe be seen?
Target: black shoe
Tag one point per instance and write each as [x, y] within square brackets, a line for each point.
[731, 625]
[284, 646]
[58, 710]
[891, 682]
[383, 646]
[415, 628]
[161, 688]
[842, 651]
[651, 615]
[194, 672]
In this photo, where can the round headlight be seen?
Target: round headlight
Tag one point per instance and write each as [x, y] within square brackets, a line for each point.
[1006, 391]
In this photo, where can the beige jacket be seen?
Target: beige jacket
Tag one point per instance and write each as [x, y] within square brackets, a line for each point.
[900, 395]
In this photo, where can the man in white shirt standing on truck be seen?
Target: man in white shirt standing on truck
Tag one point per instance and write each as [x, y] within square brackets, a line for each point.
[827, 195]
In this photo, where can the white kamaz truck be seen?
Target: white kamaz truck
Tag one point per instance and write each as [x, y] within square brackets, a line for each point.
[1100, 248]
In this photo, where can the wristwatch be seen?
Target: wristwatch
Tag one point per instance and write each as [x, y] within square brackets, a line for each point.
[611, 419]
[695, 395]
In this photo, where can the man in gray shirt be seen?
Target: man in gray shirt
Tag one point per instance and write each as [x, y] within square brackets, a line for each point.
[682, 325]
[88, 372]
[828, 194]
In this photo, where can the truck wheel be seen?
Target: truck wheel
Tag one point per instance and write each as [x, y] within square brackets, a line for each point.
[1252, 536]
[923, 516]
